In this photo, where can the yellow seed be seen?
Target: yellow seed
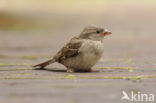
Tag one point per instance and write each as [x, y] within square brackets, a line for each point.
[131, 69]
[70, 76]
[128, 61]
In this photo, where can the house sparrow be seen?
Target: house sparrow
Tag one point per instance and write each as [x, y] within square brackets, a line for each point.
[82, 52]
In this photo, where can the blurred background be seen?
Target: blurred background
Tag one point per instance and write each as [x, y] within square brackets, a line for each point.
[32, 31]
[32, 27]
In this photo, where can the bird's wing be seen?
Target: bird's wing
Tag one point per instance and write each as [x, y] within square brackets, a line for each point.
[70, 50]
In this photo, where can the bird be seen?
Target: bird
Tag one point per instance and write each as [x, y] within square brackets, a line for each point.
[82, 52]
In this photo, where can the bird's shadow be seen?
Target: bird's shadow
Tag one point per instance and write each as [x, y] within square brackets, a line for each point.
[51, 70]
[63, 71]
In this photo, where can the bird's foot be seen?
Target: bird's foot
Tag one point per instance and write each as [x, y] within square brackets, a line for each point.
[69, 70]
[91, 70]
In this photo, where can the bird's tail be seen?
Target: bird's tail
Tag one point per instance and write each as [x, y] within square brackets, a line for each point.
[44, 64]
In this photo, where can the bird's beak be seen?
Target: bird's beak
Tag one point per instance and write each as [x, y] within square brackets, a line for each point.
[106, 32]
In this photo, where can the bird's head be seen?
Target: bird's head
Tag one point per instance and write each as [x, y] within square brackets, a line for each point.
[94, 33]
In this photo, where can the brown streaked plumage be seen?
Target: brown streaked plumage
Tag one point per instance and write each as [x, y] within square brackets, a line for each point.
[82, 52]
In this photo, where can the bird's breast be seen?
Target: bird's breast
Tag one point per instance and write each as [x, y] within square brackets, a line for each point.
[92, 47]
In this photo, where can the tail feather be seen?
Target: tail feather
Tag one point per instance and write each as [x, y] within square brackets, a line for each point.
[44, 64]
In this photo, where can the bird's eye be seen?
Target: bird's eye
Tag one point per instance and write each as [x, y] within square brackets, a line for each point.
[97, 31]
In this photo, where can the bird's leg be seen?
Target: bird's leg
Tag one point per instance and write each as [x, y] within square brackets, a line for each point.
[70, 70]
[91, 70]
